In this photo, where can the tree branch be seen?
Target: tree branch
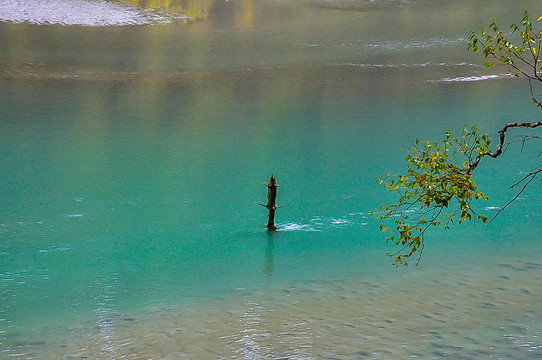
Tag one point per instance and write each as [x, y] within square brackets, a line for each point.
[533, 98]
[529, 176]
[502, 136]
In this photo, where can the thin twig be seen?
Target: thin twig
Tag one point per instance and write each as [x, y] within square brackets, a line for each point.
[532, 176]
[532, 173]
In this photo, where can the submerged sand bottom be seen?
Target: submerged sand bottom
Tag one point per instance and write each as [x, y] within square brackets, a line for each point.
[480, 312]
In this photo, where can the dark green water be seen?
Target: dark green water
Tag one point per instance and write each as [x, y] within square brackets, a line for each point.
[131, 159]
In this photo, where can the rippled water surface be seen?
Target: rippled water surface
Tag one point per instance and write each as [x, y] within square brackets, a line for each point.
[132, 157]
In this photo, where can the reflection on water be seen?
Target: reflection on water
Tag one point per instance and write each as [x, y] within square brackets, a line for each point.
[195, 10]
[242, 34]
[269, 266]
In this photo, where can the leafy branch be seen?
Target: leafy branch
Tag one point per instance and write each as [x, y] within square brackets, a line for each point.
[437, 188]
[499, 48]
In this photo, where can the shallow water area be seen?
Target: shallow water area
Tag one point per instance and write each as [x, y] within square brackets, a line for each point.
[467, 314]
[131, 162]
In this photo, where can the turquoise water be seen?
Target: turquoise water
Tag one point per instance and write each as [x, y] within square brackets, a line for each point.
[131, 159]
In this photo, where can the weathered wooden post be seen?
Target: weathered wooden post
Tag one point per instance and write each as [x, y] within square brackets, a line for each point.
[271, 202]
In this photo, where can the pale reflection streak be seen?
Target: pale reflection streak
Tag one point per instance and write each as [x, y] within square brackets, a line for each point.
[195, 10]
[107, 339]
[262, 336]
[243, 14]
[250, 335]
[269, 267]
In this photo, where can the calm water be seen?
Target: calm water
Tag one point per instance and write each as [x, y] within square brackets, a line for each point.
[131, 158]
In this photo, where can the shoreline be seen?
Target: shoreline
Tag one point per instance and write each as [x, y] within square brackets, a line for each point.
[465, 313]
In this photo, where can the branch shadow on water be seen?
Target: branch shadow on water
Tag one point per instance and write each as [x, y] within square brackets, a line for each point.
[269, 267]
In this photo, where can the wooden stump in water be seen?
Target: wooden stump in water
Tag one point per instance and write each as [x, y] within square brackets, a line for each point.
[271, 202]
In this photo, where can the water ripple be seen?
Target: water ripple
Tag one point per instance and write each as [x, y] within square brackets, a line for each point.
[319, 223]
[471, 78]
[296, 227]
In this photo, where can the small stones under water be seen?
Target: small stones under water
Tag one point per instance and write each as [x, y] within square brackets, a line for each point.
[467, 315]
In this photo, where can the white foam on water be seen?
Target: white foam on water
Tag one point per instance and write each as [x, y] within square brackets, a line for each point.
[296, 227]
[340, 221]
[78, 12]
[405, 65]
[492, 208]
[52, 249]
[434, 42]
[74, 215]
[470, 78]
[319, 223]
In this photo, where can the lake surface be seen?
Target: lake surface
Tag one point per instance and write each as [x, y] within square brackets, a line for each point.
[132, 157]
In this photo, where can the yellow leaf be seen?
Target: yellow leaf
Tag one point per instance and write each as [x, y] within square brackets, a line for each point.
[534, 50]
[540, 18]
